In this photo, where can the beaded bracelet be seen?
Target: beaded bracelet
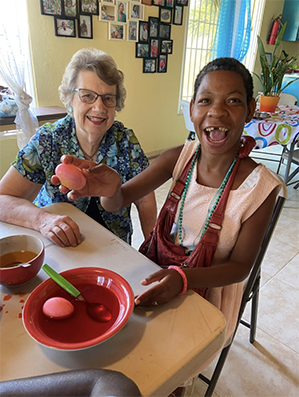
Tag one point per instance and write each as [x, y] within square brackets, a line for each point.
[183, 275]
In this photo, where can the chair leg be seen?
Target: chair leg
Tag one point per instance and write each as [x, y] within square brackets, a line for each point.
[254, 308]
[217, 371]
[284, 149]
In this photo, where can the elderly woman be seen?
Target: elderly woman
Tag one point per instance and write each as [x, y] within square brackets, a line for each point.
[92, 90]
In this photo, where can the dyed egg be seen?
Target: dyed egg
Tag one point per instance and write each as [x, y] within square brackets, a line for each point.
[70, 176]
[58, 308]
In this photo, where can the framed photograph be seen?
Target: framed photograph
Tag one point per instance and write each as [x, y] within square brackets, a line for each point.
[70, 9]
[164, 31]
[116, 31]
[165, 15]
[142, 50]
[85, 26]
[111, 2]
[121, 11]
[132, 34]
[178, 15]
[181, 2]
[51, 7]
[153, 27]
[169, 3]
[158, 2]
[143, 31]
[147, 2]
[154, 48]
[89, 7]
[149, 65]
[65, 27]
[106, 12]
[162, 64]
[166, 46]
[136, 10]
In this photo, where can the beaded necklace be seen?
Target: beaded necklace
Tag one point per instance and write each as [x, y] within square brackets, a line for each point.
[212, 205]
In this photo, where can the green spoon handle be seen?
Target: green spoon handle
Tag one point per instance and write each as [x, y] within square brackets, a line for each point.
[67, 286]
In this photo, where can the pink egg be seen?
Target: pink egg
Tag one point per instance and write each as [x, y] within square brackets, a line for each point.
[58, 308]
[70, 176]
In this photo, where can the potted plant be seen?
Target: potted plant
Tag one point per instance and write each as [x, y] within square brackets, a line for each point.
[273, 73]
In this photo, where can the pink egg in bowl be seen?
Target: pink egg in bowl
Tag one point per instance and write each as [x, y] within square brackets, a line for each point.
[21, 258]
[79, 331]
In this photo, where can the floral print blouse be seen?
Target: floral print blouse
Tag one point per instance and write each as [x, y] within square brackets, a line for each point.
[119, 149]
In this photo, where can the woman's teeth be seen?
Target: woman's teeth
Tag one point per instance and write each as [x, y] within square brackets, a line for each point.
[216, 134]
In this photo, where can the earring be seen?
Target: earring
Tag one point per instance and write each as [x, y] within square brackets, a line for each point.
[70, 109]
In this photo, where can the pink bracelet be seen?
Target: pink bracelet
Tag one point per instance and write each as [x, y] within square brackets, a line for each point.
[183, 275]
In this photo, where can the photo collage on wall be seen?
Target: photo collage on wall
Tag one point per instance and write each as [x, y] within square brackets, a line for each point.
[125, 21]
[72, 18]
[154, 42]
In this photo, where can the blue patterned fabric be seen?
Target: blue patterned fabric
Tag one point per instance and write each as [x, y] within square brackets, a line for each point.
[119, 149]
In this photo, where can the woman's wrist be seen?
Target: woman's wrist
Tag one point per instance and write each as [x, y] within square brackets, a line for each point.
[184, 278]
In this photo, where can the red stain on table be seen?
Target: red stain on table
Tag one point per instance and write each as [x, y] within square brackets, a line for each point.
[7, 297]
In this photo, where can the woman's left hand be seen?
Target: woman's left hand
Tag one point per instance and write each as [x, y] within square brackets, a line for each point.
[169, 285]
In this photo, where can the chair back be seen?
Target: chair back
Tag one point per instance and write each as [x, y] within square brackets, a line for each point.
[287, 99]
[185, 105]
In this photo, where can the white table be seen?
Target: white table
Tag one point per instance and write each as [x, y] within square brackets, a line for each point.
[158, 348]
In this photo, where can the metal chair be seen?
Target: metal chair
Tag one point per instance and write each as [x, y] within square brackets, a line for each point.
[291, 156]
[250, 293]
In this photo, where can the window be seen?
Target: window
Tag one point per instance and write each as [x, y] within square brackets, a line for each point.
[14, 44]
[200, 32]
[199, 36]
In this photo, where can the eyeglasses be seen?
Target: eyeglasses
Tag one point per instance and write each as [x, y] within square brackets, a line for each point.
[88, 96]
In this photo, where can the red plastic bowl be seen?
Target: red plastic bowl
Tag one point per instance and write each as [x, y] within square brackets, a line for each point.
[79, 331]
[19, 275]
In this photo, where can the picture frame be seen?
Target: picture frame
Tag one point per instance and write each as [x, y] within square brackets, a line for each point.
[162, 64]
[142, 50]
[147, 2]
[65, 27]
[54, 8]
[136, 10]
[121, 11]
[158, 3]
[164, 31]
[154, 48]
[116, 31]
[143, 31]
[133, 29]
[178, 12]
[165, 15]
[182, 2]
[107, 2]
[89, 7]
[170, 3]
[70, 8]
[149, 65]
[153, 27]
[85, 27]
[106, 12]
[166, 46]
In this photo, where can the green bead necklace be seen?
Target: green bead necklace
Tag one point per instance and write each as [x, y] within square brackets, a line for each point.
[213, 203]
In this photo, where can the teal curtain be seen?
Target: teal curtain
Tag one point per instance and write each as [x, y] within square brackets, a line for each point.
[232, 37]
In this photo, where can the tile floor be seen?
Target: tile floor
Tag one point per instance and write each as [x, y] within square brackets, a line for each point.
[270, 366]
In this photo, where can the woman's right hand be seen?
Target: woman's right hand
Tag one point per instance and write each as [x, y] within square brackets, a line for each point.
[60, 229]
[101, 180]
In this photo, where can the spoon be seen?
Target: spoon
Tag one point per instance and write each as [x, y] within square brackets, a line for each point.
[97, 311]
